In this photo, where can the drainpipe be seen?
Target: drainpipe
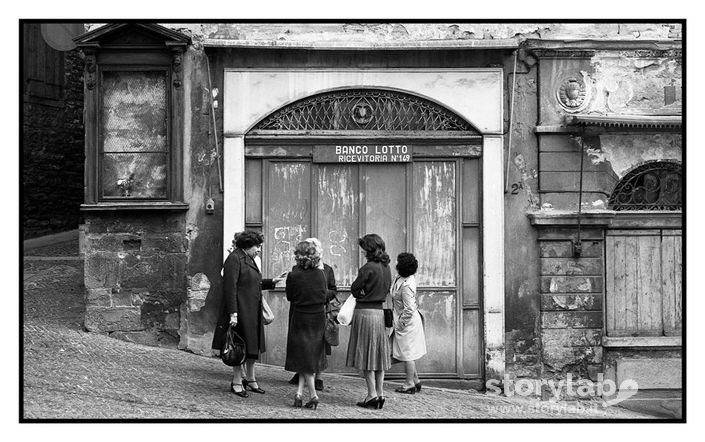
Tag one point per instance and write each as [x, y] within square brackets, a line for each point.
[578, 244]
[511, 113]
[215, 126]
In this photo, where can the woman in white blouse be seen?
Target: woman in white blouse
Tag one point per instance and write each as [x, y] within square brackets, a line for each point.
[409, 342]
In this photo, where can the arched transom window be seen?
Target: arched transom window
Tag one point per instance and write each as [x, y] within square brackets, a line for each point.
[656, 185]
[364, 109]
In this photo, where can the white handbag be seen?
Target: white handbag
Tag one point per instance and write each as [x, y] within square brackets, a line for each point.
[267, 313]
[345, 314]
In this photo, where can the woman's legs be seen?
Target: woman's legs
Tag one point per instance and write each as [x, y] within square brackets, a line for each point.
[370, 380]
[379, 382]
[237, 379]
[308, 380]
[250, 371]
[411, 376]
[300, 390]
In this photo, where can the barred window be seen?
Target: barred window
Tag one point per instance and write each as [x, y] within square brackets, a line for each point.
[656, 185]
[135, 144]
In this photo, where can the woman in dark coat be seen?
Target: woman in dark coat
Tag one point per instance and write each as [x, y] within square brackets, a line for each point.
[368, 347]
[307, 291]
[242, 306]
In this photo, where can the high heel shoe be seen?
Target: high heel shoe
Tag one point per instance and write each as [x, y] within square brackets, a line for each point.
[418, 386]
[380, 402]
[410, 390]
[370, 403]
[313, 403]
[247, 385]
[241, 393]
[298, 402]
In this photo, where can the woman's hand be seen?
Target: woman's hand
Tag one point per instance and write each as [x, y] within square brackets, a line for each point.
[280, 278]
[233, 319]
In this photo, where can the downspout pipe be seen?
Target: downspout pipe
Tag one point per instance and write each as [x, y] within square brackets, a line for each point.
[578, 244]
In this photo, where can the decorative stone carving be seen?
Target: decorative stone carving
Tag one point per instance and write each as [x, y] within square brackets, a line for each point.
[362, 113]
[572, 94]
[90, 70]
[177, 68]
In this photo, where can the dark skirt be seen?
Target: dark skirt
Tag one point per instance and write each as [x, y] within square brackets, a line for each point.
[368, 347]
[305, 344]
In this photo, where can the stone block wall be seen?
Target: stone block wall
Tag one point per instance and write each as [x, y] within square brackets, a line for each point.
[571, 303]
[52, 155]
[135, 276]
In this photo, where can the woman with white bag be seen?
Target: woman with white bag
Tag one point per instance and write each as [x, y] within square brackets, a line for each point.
[368, 347]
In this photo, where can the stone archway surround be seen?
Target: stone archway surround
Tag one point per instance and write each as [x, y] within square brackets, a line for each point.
[474, 94]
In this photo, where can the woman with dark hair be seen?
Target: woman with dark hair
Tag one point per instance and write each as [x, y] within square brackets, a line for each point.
[368, 347]
[409, 340]
[242, 306]
[307, 291]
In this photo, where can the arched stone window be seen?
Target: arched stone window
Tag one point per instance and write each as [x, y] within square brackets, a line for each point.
[655, 185]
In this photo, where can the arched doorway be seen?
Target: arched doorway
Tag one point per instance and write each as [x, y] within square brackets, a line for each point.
[343, 163]
[474, 95]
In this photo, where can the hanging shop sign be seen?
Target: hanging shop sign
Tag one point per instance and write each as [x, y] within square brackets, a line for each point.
[363, 153]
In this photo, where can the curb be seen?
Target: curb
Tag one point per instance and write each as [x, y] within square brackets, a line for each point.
[48, 240]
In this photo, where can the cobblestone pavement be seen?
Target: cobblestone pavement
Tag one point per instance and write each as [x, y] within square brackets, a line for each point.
[72, 374]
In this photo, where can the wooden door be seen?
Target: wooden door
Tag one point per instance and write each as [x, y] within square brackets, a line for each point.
[428, 207]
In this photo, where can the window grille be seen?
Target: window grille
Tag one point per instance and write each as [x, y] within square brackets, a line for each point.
[135, 144]
[364, 109]
[656, 185]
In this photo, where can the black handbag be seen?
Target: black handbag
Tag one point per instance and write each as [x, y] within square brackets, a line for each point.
[233, 352]
[331, 332]
[388, 317]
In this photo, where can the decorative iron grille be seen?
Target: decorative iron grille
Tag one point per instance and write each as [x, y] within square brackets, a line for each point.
[655, 185]
[364, 109]
[135, 144]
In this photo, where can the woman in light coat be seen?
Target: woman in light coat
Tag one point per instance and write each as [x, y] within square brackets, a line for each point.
[409, 342]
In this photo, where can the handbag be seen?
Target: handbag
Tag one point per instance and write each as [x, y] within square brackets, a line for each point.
[346, 312]
[388, 317]
[267, 313]
[331, 333]
[233, 352]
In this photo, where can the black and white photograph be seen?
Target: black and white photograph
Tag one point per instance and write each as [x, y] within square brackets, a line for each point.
[351, 220]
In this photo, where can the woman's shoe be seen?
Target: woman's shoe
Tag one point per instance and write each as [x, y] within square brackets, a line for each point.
[298, 401]
[380, 402]
[371, 403]
[241, 393]
[313, 403]
[410, 390]
[418, 386]
[248, 386]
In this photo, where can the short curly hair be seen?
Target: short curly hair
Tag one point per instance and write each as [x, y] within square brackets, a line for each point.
[307, 255]
[406, 264]
[248, 238]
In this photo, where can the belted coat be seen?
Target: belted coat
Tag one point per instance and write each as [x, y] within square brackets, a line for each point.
[242, 294]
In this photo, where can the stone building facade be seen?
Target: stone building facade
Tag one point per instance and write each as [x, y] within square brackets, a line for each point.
[541, 188]
[52, 143]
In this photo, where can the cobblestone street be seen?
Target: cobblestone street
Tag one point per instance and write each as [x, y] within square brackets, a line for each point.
[72, 374]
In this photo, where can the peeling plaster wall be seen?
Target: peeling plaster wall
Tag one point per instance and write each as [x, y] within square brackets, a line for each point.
[522, 343]
[633, 82]
[373, 32]
[625, 152]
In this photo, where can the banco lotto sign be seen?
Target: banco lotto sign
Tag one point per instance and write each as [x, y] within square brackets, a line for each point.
[363, 153]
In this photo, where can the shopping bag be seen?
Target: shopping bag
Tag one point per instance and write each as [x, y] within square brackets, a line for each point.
[345, 314]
